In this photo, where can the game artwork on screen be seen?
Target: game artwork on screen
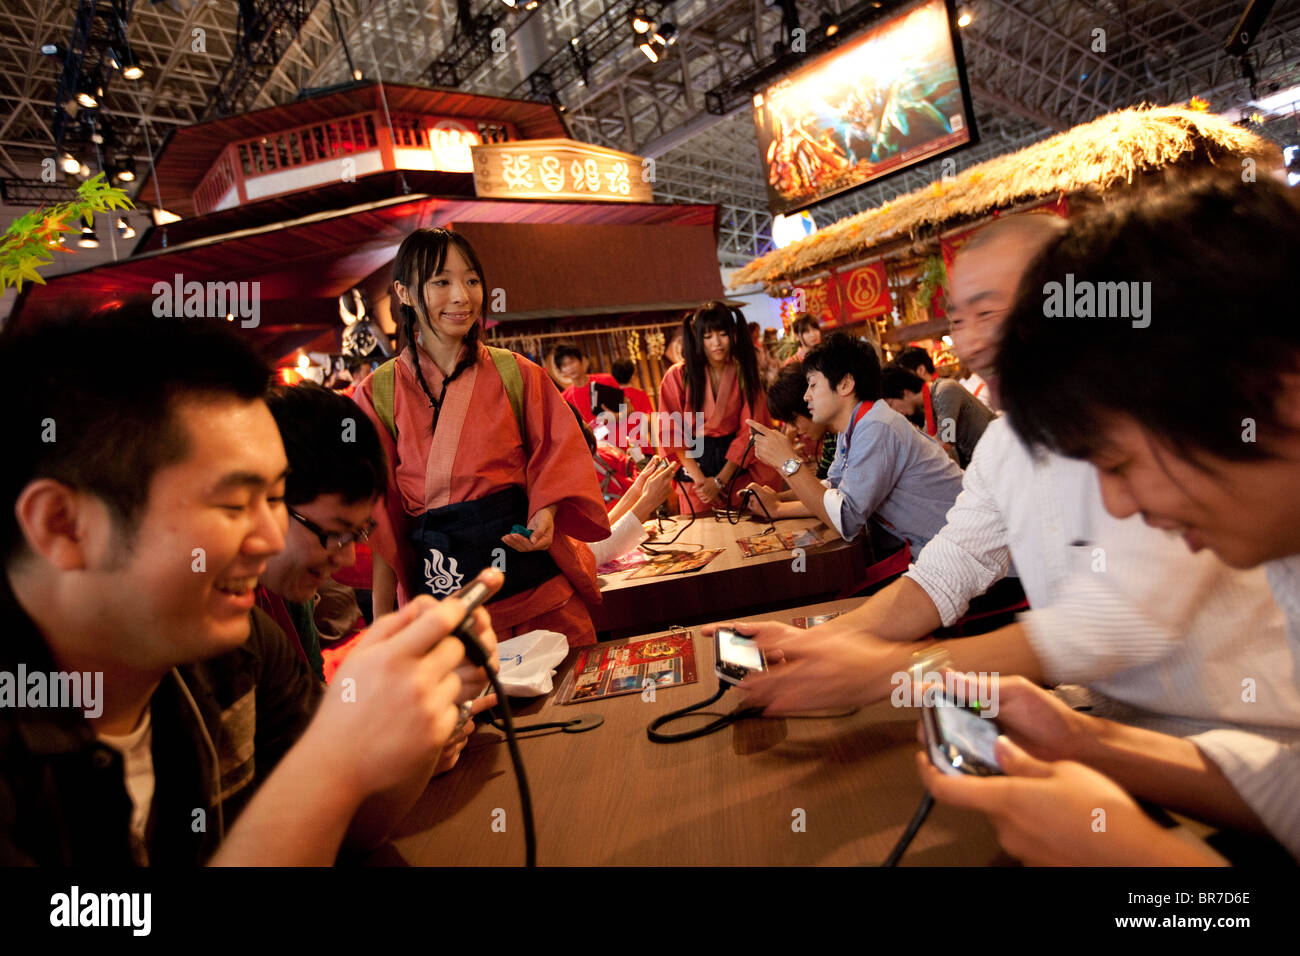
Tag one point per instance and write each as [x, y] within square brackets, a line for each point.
[888, 99]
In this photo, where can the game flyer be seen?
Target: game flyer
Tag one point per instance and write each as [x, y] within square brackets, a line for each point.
[633, 559]
[626, 667]
[776, 541]
[675, 562]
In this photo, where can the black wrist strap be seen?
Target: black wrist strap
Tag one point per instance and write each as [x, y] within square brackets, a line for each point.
[725, 720]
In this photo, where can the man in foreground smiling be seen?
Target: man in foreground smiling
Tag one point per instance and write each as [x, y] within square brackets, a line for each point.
[147, 500]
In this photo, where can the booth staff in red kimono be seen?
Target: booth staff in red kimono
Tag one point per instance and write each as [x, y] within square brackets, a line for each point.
[718, 380]
[478, 441]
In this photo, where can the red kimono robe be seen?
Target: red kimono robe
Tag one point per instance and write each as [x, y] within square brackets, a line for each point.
[478, 451]
[579, 396]
[724, 415]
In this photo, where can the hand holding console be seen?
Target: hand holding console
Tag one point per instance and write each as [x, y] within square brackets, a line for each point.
[737, 656]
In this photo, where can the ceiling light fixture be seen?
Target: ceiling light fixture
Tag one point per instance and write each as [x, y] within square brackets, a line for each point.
[88, 93]
[131, 68]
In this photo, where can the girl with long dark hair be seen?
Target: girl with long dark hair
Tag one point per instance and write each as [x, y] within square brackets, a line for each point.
[479, 443]
[710, 395]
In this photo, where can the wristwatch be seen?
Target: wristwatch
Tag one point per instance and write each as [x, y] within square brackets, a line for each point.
[791, 466]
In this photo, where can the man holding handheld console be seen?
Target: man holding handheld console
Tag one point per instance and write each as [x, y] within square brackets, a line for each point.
[1161, 637]
[1224, 477]
[884, 469]
[132, 551]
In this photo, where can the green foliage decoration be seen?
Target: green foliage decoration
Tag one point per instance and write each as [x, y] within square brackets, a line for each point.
[32, 239]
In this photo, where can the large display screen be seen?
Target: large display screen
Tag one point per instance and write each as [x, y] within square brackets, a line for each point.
[893, 96]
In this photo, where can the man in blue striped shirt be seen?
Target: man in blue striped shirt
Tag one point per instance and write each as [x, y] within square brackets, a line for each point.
[883, 469]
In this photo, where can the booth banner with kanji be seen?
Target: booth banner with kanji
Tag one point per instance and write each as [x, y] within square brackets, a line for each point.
[864, 293]
[816, 298]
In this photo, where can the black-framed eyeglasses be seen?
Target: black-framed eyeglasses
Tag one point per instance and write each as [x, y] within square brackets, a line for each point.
[334, 540]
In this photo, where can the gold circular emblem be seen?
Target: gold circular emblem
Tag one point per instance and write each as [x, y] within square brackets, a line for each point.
[864, 288]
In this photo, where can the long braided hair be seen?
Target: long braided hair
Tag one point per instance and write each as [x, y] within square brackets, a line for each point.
[714, 316]
[420, 257]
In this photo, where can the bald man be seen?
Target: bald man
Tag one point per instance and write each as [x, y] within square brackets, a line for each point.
[1151, 631]
[982, 285]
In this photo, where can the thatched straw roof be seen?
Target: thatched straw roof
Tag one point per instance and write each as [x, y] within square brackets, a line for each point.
[1109, 150]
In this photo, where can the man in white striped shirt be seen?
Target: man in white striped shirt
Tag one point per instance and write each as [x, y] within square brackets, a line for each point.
[1223, 473]
[1161, 637]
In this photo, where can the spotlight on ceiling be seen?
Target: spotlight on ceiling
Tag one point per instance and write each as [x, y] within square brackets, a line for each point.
[131, 68]
[640, 21]
[646, 46]
[964, 16]
[125, 61]
[88, 93]
[666, 34]
[828, 25]
[70, 164]
[87, 239]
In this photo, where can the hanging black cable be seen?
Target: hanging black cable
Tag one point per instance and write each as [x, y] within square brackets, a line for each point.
[715, 725]
[680, 531]
[343, 39]
[734, 516]
[904, 841]
[468, 636]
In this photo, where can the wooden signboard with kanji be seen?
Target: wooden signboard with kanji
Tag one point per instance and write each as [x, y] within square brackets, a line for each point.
[560, 169]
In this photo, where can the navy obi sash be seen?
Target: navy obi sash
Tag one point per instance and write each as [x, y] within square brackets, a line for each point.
[455, 542]
[714, 456]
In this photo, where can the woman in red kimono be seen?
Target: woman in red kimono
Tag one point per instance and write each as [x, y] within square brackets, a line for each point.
[478, 441]
[716, 383]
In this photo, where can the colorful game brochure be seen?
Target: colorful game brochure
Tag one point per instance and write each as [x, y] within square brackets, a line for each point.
[633, 559]
[625, 667]
[676, 562]
[815, 620]
[776, 541]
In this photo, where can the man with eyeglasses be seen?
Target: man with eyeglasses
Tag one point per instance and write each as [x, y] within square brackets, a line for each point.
[336, 475]
[188, 730]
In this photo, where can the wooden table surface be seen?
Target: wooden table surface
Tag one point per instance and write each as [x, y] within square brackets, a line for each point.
[612, 797]
[730, 583]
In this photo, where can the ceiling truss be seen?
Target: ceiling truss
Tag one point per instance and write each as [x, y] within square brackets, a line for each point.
[1035, 66]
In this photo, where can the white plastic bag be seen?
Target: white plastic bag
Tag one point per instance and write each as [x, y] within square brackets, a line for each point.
[528, 662]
